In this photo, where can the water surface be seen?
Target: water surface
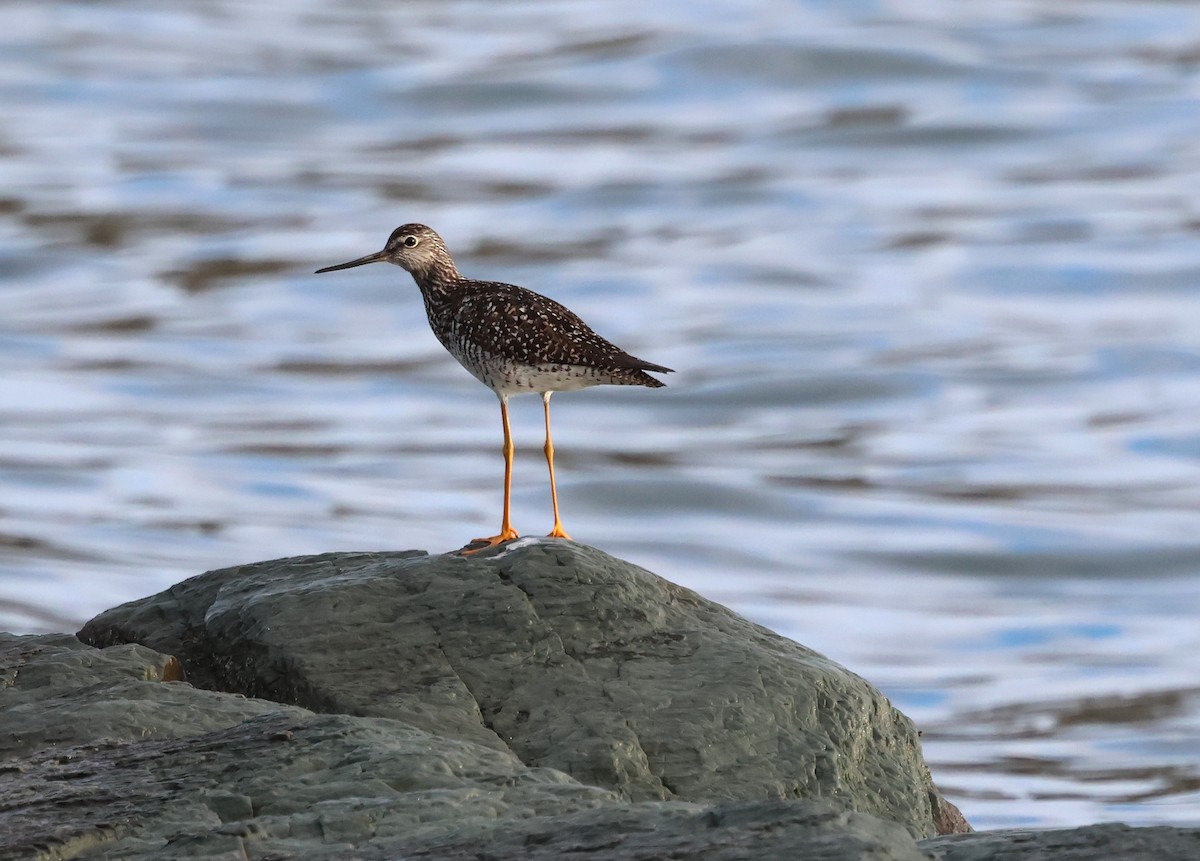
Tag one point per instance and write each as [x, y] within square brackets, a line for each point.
[928, 271]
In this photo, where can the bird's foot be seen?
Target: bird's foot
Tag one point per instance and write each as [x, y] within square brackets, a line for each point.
[559, 532]
[484, 543]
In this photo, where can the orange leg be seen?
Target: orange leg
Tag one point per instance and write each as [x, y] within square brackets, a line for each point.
[507, 533]
[557, 531]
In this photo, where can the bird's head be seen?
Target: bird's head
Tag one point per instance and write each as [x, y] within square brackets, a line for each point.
[415, 247]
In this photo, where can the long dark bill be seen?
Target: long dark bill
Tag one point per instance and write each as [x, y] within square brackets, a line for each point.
[377, 257]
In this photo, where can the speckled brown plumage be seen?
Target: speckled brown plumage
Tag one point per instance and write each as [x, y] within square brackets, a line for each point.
[511, 339]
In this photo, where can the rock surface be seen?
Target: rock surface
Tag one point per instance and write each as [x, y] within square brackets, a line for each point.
[1106, 842]
[449, 688]
[558, 653]
[332, 787]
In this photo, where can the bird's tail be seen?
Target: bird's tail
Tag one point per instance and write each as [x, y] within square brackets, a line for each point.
[635, 372]
[648, 381]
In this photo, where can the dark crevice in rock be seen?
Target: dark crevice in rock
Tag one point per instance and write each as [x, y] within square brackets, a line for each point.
[480, 707]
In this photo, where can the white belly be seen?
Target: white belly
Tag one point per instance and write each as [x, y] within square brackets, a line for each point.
[505, 378]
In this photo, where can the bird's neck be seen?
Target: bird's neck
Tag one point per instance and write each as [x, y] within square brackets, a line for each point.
[438, 278]
[438, 283]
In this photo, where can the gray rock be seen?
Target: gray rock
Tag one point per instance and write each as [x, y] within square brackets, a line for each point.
[277, 784]
[557, 653]
[1106, 842]
[760, 830]
[284, 783]
[105, 754]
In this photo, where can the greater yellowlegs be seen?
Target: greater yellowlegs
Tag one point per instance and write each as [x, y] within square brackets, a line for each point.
[512, 340]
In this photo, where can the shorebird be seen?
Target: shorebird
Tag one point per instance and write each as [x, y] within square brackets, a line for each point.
[512, 340]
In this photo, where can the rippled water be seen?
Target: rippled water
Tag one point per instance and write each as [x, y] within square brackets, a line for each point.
[929, 271]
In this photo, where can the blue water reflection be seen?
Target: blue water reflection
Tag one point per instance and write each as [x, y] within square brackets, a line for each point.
[927, 272]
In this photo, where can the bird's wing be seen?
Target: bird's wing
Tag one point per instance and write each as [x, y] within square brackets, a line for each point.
[534, 329]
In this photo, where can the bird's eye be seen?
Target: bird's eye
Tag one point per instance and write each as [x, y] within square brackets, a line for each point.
[410, 241]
